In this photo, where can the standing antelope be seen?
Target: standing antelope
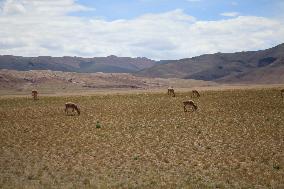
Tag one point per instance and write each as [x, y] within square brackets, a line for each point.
[282, 92]
[171, 91]
[35, 94]
[73, 106]
[189, 103]
[195, 93]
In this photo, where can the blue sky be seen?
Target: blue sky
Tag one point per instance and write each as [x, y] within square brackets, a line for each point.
[157, 29]
[201, 9]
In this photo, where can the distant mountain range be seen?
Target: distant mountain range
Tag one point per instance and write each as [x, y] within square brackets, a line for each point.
[110, 64]
[263, 66]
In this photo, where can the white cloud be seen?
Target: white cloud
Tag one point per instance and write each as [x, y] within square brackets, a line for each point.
[169, 35]
[230, 14]
[45, 7]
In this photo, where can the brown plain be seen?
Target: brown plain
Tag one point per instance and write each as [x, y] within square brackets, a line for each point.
[145, 140]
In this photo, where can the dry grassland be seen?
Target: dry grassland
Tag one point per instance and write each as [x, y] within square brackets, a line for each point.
[234, 140]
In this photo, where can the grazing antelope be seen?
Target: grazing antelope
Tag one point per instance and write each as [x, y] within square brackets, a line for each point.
[189, 103]
[35, 94]
[195, 93]
[282, 93]
[171, 91]
[71, 105]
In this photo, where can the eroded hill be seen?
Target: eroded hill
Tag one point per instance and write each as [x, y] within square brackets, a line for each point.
[57, 81]
[264, 66]
[110, 64]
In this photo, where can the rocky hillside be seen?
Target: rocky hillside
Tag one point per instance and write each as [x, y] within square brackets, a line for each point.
[110, 64]
[264, 66]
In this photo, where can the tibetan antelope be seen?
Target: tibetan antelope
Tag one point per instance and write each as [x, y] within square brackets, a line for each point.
[171, 91]
[189, 103]
[195, 93]
[282, 93]
[71, 105]
[35, 94]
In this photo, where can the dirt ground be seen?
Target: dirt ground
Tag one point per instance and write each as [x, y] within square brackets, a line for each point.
[80, 92]
[144, 140]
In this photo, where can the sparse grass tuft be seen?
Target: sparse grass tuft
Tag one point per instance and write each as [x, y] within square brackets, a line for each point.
[98, 125]
[276, 166]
